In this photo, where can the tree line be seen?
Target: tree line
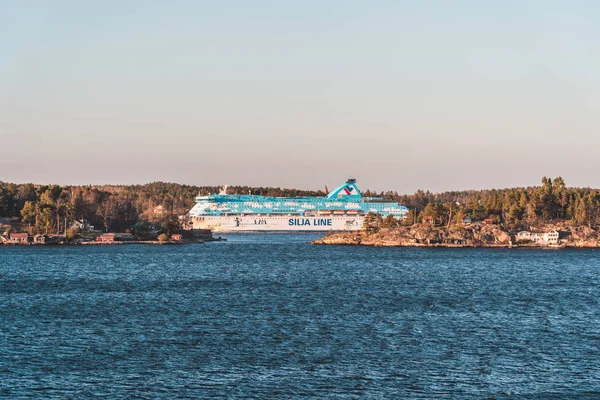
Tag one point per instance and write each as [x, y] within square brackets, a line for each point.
[552, 201]
[53, 208]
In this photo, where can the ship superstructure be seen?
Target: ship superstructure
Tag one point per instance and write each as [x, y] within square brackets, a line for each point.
[342, 209]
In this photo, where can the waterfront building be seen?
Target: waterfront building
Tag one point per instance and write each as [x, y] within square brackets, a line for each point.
[106, 238]
[539, 237]
[18, 238]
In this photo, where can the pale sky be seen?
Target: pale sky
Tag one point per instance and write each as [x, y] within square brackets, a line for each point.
[401, 95]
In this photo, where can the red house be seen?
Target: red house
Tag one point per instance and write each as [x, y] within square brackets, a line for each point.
[19, 238]
[106, 238]
[176, 237]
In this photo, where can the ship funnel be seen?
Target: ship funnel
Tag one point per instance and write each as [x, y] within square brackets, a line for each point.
[224, 190]
[348, 190]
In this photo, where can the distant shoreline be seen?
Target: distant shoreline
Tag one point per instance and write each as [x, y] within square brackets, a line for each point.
[97, 244]
[322, 242]
[115, 243]
[472, 236]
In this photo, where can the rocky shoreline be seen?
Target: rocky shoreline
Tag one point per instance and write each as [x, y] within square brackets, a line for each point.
[476, 235]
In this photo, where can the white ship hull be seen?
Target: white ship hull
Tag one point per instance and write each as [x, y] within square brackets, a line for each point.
[278, 223]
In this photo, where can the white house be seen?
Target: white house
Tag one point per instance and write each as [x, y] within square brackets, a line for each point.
[539, 237]
[83, 225]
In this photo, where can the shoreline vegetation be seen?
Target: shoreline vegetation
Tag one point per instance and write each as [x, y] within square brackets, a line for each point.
[118, 243]
[198, 237]
[479, 234]
[76, 214]
[152, 207]
[548, 216]
[470, 218]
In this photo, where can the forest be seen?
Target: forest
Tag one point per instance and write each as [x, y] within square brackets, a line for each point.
[53, 208]
[552, 201]
[112, 208]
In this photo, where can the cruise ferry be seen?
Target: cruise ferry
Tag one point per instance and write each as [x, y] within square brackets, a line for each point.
[342, 209]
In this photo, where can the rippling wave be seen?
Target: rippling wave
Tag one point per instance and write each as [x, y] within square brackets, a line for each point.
[270, 316]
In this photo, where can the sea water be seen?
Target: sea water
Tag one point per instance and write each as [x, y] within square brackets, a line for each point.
[271, 316]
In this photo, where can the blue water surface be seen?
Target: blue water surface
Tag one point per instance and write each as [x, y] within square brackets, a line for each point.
[271, 316]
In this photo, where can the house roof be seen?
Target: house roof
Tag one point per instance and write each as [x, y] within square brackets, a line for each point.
[19, 235]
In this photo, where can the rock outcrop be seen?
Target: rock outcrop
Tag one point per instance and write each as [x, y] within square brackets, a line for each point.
[475, 235]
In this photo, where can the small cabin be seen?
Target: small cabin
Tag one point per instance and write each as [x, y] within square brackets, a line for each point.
[18, 238]
[466, 220]
[106, 238]
[176, 237]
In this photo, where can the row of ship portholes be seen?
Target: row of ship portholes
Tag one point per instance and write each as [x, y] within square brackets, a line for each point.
[306, 214]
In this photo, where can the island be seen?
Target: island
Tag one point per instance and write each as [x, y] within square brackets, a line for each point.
[473, 234]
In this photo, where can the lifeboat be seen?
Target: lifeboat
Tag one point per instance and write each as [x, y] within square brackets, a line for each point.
[352, 212]
[338, 212]
[324, 212]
